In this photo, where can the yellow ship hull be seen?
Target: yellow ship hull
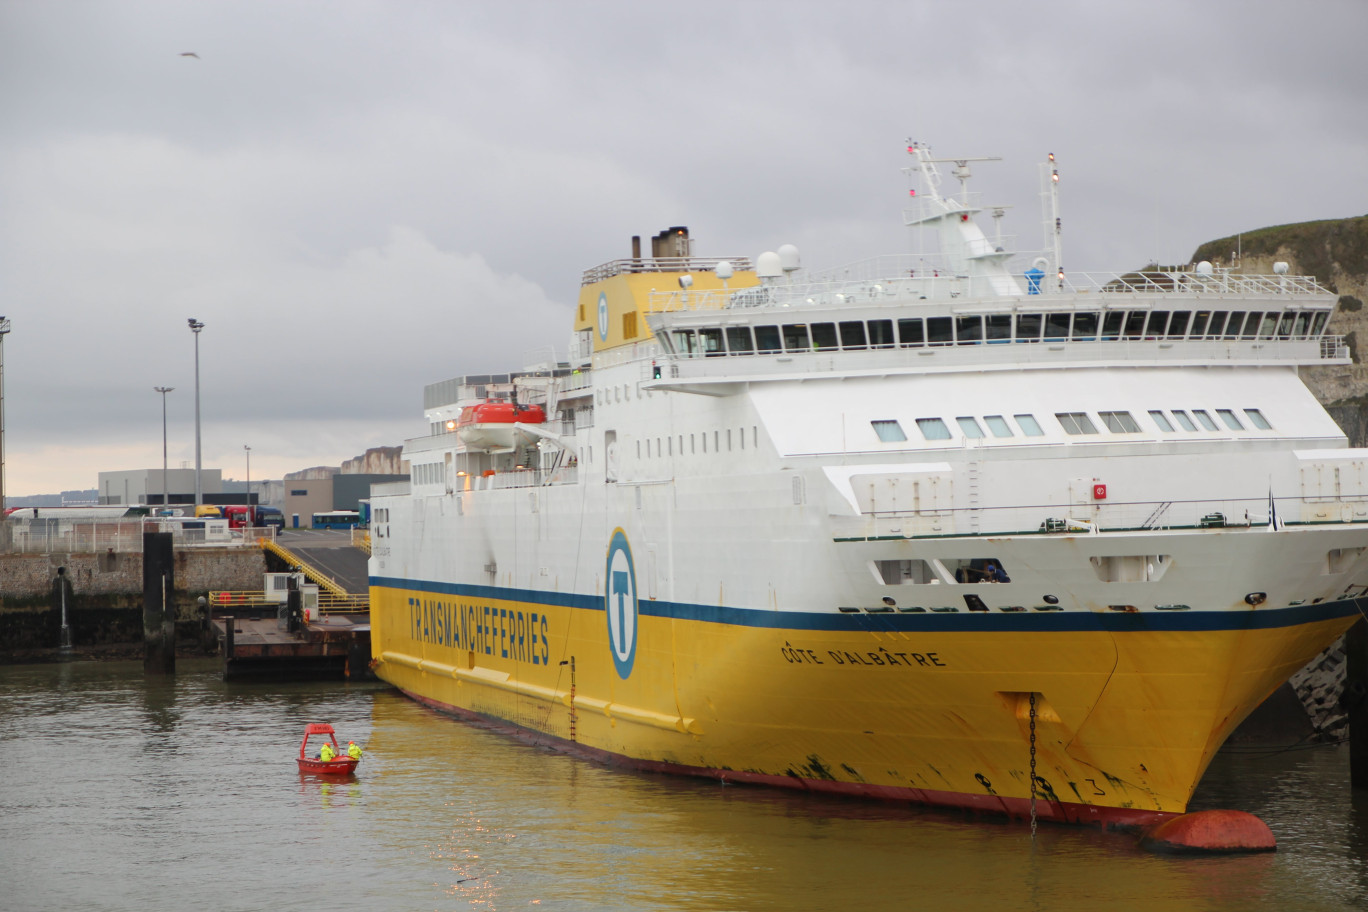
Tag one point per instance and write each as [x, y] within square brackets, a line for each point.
[1124, 711]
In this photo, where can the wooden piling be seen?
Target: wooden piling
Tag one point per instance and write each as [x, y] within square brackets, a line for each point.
[1355, 701]
[159, 613]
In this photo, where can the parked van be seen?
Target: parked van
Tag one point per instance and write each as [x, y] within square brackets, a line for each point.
[209, 510]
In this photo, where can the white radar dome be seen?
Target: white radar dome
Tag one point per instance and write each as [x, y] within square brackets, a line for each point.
[767, 265]
[1204, 268]
[788, 258]
[1280, 268]
[723, 270]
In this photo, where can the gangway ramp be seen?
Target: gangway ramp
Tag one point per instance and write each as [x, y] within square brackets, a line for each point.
[339, 570]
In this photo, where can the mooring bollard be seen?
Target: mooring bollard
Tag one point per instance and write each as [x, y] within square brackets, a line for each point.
[159, 614]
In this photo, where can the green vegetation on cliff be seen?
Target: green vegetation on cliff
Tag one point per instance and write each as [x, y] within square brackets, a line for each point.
[1322, 249]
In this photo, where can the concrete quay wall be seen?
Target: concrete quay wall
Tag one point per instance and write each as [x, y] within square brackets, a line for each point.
[105, 595]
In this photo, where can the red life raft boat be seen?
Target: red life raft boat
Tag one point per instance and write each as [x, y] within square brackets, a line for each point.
[339, 765]
[492, 425]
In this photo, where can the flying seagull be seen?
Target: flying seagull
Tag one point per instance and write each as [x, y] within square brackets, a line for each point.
[190, 54]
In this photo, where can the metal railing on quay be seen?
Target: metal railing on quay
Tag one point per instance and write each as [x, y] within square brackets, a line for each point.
[360, 539]
[231, 601]
[123, 536]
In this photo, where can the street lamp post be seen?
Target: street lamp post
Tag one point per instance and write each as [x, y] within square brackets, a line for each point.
[4, 330]
[195, 327]
[164, 390]
[248, 450]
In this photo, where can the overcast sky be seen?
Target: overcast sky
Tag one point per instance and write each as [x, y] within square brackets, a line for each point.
[360, 198]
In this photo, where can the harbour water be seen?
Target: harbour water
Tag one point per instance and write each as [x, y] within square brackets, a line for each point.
[121, 792]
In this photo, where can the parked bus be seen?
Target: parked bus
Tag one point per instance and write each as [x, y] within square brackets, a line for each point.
[337, 519]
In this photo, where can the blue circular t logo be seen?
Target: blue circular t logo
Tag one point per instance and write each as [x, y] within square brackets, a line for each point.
[603, 317]
[620, 601]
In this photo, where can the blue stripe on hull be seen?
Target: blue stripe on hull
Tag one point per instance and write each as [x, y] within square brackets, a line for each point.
[1250, 619]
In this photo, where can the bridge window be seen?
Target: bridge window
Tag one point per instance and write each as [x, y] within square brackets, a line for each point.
[1028, 327]
[1230, 420]
[685, 342]
[1199, 324]
[852, 335]
[911, 333]
[1111, 325]
[889, 431]
[824, 336]
[998, 327]
[1076, 423]
[1085, 326]
[1303, 322]
[1183, 420]
[1178, 326]
[767, 339]
[940, 331]
[970, 330]
[933, 429]
[1029, 426]
[1251, 326]
[1216, 328]
[1320, 323]
[1056, 327]
[710, 340]
[796, 337]
[1161, 420]
[739, 340]
[1158, 321]
[1258, 420]
[881, 334]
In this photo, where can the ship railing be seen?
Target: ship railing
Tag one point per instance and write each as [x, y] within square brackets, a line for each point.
[661, 264]
[899, 279]
[718, 366]
[1100, 517]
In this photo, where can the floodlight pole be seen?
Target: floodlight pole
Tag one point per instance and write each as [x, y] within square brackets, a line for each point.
[195, 327]
[164, 390]
[4, 330]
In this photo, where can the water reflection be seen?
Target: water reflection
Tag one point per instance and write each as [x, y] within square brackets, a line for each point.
[196, 797]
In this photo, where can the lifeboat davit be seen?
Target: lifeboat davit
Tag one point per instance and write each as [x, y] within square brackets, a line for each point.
[494, 425]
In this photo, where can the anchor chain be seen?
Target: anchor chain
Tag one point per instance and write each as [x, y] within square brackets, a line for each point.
[1033, 766]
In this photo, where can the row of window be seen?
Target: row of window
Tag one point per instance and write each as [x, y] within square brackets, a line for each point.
[1088, 326]
[428, 473]
[666, 446]
[1072, 423]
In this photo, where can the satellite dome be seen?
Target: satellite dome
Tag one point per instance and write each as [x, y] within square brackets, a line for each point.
[1280, 268]
[1204, 268]
[767, 265]
[788, 258]
[723, 270]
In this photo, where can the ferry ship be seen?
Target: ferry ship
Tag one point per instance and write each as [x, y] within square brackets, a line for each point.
[968, 531]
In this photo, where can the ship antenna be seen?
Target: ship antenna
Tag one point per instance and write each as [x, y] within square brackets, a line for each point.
[1049, 176]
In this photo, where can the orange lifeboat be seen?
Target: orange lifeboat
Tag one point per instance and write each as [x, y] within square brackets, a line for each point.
[493, 425]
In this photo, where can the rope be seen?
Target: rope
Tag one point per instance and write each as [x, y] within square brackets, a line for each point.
[1033, 766]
